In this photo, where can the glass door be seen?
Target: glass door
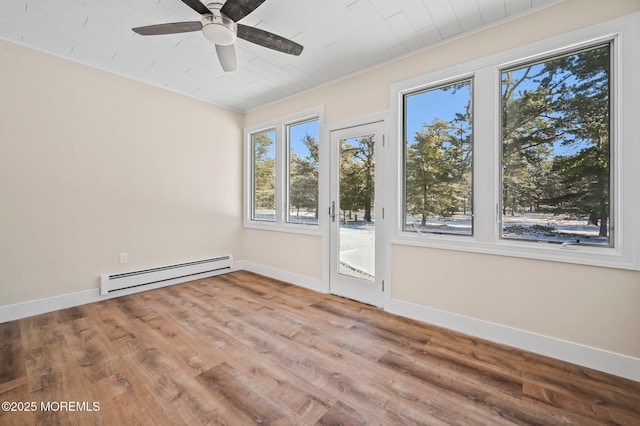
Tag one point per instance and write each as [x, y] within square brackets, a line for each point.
[353, 213]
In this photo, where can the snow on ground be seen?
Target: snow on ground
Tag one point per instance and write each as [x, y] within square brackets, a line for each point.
[357, 249]
[529, 226]
[552, 228]
[357, 242]
[357, 239]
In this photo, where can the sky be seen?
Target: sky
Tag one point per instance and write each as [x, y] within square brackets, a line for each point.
[297, 134]
[424, 107]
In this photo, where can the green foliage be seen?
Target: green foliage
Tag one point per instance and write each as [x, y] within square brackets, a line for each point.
[357, 172]
[438, 171]
[264, 172]
[555, 149]
[303, 178]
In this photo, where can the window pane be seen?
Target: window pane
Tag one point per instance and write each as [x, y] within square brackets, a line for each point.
[438, 170]
[356, 207]
[264, 176]
[302, 139]
[556, 183]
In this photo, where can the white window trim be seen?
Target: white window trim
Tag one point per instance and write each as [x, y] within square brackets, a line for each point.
[625, 144]
[280, 126]
[436, 85]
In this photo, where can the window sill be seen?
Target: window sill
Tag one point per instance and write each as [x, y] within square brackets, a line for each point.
[293, 228]
[575, 254]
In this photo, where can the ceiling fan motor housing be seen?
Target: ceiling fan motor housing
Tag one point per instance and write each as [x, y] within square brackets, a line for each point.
[218, 28]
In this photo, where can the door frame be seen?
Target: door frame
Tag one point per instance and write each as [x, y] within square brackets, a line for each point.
[382, 245]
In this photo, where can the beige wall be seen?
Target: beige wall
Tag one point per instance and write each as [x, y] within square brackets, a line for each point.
[368, 92]
[289, 252]
[92, 164]
[596, 307]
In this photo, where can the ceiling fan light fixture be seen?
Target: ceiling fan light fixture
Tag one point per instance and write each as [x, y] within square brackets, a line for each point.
[219, 29]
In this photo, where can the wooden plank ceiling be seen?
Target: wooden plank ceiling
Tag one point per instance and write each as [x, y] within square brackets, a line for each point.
[341, 37]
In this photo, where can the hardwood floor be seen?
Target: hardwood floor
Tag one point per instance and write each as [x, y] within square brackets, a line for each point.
[243, 349]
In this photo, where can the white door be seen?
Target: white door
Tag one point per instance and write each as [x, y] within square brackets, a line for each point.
[354, 213]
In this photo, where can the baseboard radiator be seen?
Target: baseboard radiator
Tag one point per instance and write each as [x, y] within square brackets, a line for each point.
[165, 275]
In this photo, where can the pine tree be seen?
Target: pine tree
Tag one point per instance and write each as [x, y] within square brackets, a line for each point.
[432, 171]
[357, 173]
[264, 172]
[303, 178]
[555, 149]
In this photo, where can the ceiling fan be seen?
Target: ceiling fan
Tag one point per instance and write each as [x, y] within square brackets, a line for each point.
[219, 25]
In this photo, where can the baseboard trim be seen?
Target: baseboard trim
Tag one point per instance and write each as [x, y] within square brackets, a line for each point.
[279, 274]
[70, 300]
[597, 359]
[48, 304]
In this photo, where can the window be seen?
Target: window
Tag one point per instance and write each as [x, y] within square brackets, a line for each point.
[438, 168]
[302, 199]
[556, 156]
[550, 139]
[282, 174]
[264, 176]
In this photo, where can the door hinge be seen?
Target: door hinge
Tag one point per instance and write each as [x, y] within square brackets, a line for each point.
[383, 286]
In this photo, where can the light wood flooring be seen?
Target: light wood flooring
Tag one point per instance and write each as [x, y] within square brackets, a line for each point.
[241, 349]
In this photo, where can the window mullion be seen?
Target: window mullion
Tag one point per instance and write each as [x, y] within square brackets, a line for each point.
[281, 181]
[486, 154]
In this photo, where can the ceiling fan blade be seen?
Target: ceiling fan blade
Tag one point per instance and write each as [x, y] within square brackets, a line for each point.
[227, 57]
[238, 9]
[172, 28]
[197, 6]
[270, 40]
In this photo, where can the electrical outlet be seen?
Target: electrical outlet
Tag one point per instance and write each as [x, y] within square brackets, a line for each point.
[124, 257]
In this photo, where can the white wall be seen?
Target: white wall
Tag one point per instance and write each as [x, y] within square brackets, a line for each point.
[595, 307]
[92, 164]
